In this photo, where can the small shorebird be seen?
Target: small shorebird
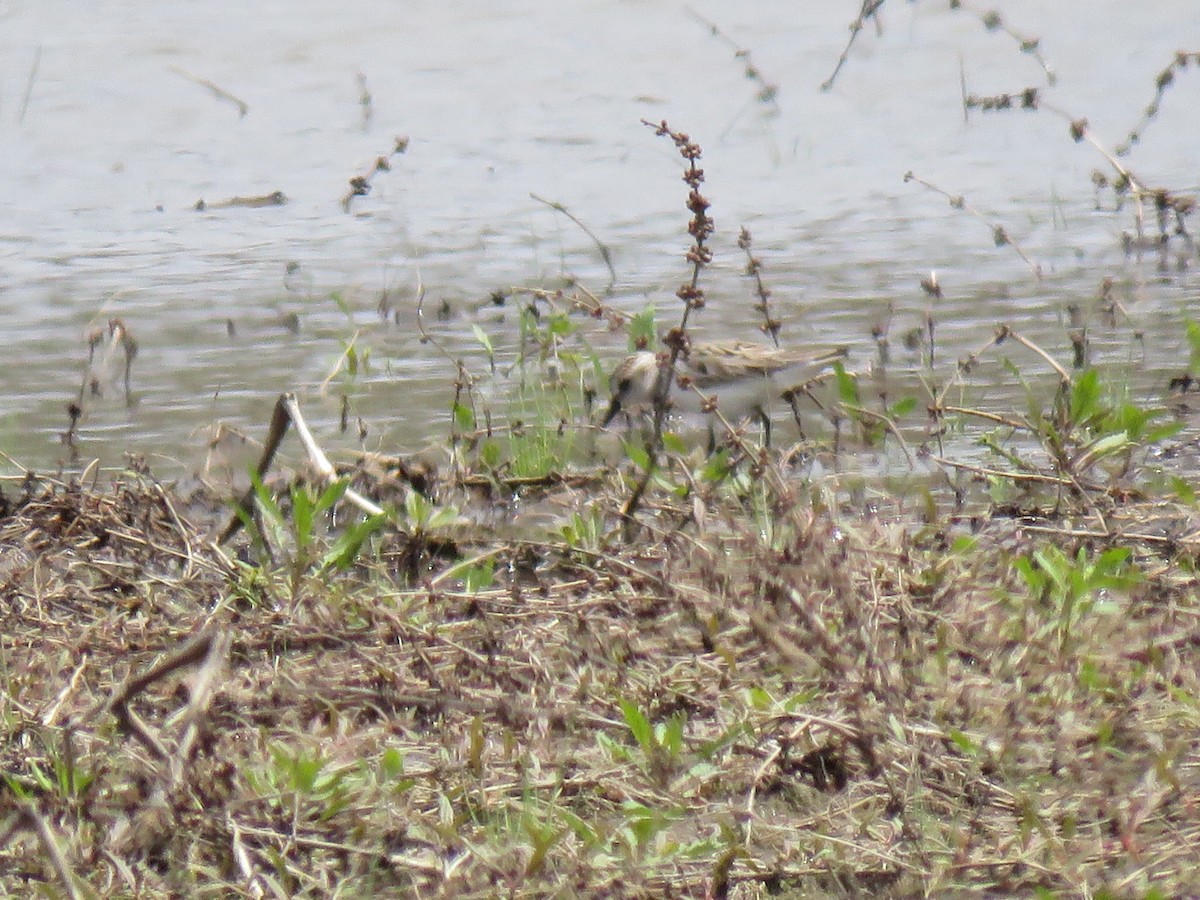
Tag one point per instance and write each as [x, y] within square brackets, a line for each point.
[745, 379]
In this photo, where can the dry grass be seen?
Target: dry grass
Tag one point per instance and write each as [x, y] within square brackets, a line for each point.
[845, 705]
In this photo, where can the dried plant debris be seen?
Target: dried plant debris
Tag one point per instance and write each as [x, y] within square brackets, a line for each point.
[360, 185]
[275, 198]
[850, 704]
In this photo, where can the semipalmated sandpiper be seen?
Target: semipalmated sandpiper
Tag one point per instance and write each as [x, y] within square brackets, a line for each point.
[744, 379]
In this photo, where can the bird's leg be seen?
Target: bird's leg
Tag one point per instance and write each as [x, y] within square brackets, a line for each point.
[794, 403]
[766, 425]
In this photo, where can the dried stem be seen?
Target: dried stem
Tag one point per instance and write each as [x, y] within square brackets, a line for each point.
[700, 227]
[1000, 236]
[993, 21]
[1163, 81]
[868, 10]
[770, 324]
[216, 90]
[605, 254]
[767, 90]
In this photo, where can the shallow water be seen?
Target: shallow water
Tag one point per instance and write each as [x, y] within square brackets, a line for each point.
[104, 163]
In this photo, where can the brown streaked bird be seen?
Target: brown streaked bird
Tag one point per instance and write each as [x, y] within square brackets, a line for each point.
[744, 377]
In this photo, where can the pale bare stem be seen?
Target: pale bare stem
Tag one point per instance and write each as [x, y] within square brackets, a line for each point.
[1001, 473]
[250, 875]
[1063, 375]
[320, 461]
[49, 841]
[217, 91]
[986, 416]
[287, 412]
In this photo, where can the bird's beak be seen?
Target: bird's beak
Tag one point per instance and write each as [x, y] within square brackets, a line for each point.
[613, 409]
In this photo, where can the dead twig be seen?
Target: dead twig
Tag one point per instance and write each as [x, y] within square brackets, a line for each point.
[33, 73]
[605, 253]
[868, 10]
[287, 412]
[216, 90]
[1000, 235]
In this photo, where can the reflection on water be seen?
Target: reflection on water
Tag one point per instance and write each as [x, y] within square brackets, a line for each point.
[120, 137]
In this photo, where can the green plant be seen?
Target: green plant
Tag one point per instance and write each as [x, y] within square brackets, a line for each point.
[661, 744]
[544, 397]
[1071, 588]
[61, 776]
[304, 783]
[1091, 422]
[296, 536]
[586, 530]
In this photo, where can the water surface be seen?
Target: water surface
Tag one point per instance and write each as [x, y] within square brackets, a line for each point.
[103, 165]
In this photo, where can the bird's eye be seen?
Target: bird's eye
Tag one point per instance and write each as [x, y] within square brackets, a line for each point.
[623, 385]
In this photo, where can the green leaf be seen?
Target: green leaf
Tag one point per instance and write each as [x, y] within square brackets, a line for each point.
[639, 725]
[1184, 492]
[1193, 335]
[673, 443]
[302, 515]
[265, 499]
[759, 698]
[331, 495]
[342, 304]
[464, 417]
[559, 325]
[484, 340]
[847, 385]
[391, 764]
[902, 407]
[670, 734]
[583, 831]
[346, 548]
[642, 328]
[964, 544]
[1162, 432]
[479, 577]
[716, 467]
[1035, 579]
[637, 455]
[491, 454]
[1113, 558]
[1085, 397]
[1107, 445]
[963, 743]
